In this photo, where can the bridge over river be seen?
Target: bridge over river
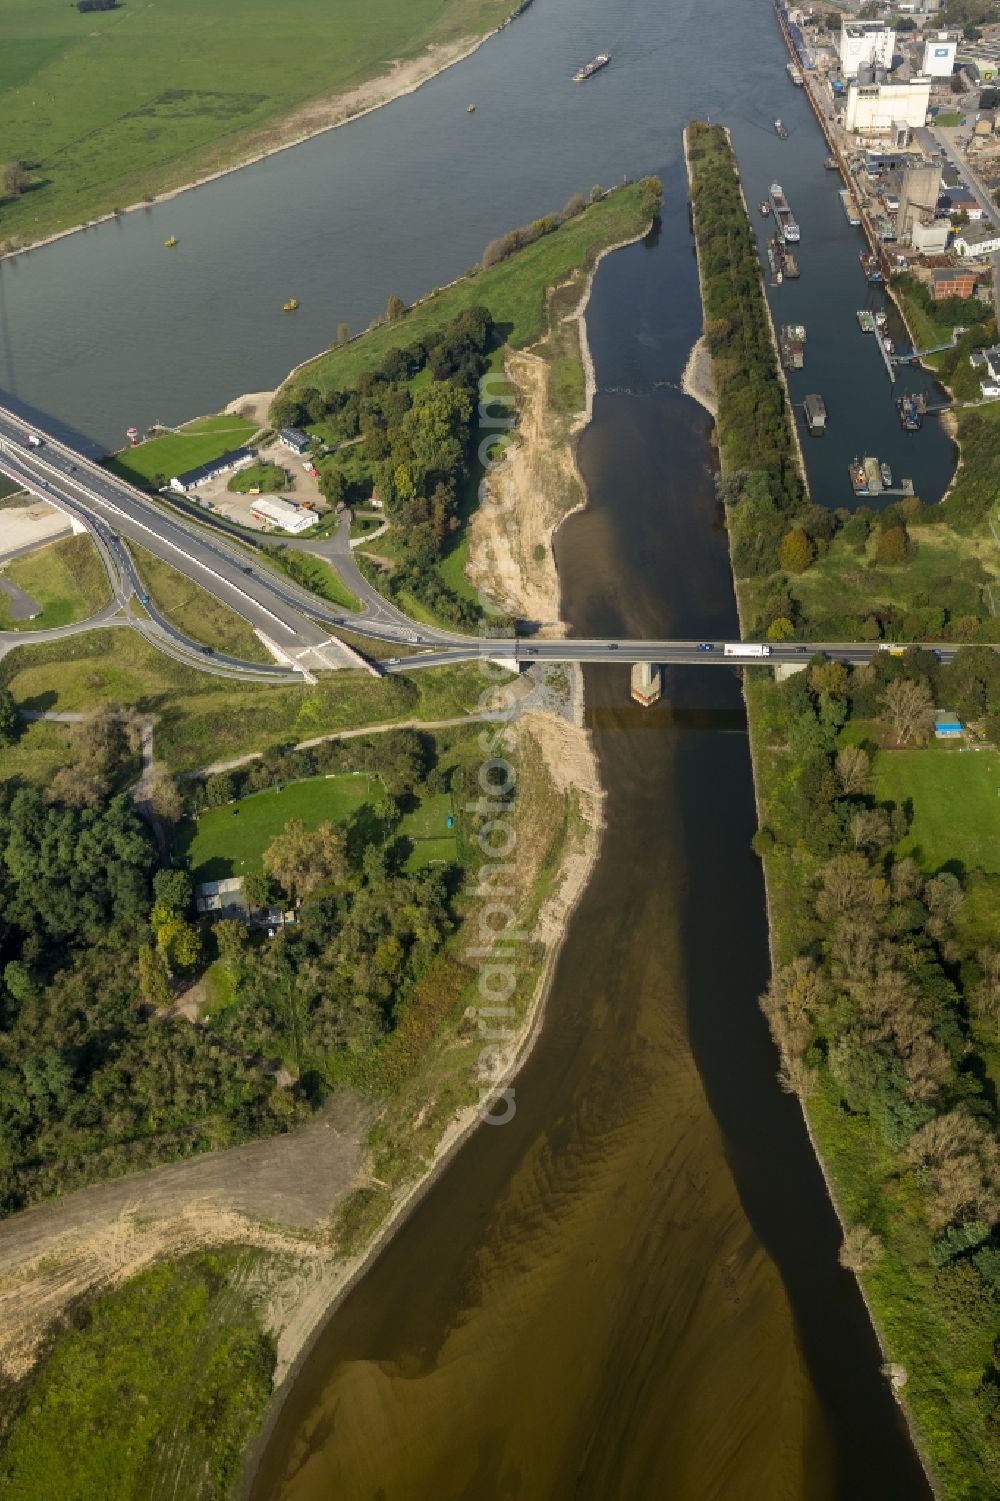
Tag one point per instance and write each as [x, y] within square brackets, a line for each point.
[297, 625]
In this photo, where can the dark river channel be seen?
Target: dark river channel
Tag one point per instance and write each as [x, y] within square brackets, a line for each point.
[631, 1290]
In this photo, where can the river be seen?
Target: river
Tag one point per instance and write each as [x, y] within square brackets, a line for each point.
[632, 1289]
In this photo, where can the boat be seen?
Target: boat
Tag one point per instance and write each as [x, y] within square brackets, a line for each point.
[171, 242]
[470, 109]
[795, 74]
[870, 266]
[831, 164]
[765, 207]
[600, 61]
[886, 474]
[814, 408]
[887, 344]
[872, 474]
[781, 131]
[850, 207]
[859, 480]
[798, 331]
[881, 322]
[911, 412]
[290, 305]
[783, 216]
[792, 348]
[866, 321]
[791, 267]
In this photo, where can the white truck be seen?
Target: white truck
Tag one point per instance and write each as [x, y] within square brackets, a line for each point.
[746, 649]
[32, 440]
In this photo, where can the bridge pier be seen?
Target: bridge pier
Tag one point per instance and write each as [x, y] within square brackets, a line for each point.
[647, 683]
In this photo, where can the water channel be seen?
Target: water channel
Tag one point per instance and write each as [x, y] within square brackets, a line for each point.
[632, 1289]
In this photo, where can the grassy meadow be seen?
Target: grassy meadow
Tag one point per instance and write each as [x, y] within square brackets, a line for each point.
[194, 611]
[955, 796]
[111, 108]
[156, 461]
[229, 841]
[66, 578]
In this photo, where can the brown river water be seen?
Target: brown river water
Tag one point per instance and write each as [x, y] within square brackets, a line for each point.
[631, 1290]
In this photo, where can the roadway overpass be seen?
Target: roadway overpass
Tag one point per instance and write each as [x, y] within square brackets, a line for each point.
[296, 621]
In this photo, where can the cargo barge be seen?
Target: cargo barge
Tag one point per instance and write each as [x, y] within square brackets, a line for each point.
[911, 411]
[783, 216]
[814, 409]
[871, 267]
[850, 208]
[792, 345]
[600, 61]
[781, 131]
[795, 74]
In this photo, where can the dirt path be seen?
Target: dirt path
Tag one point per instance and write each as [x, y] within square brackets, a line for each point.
[278, 1194]
[367, 729]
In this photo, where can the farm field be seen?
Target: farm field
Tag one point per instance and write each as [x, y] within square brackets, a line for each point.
[230, 840]
[956, 803]
[114, 107]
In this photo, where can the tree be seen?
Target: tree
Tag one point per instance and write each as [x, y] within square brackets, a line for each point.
[828, 677]
[154, 987]
[173, 888]
[10, 720]
[861, 1249]
[893, 544]
[870, 829]
[257, 890]
[780, 629]
[233, 941]
[13, 179]
[796, 551]
[180, 943]
[853, 768]
[910, 707]
[394, 309]
[164, 795]
[77, 786]
[302, 860]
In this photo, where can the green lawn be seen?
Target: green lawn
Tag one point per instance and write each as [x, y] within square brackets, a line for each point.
[66, 578]
[155, 1389]
[514, 291]
[229, 841]
[202, 719]
[114, 107]
[38, 751]
[956, 803]
[266, 477]
[157, 461]
[315, 574]
[196, 612]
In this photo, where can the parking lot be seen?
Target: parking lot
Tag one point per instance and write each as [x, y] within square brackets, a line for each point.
[302, 489]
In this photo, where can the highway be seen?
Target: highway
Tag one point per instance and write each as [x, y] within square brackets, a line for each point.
[296, 621]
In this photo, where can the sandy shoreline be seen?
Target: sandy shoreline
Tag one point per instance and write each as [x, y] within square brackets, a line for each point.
[698, 380]
[570, 758]
[308, 120]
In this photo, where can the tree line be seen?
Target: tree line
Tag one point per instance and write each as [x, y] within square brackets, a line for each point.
[885, 1013]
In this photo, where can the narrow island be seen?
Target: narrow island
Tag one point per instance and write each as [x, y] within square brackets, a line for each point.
[875, 804]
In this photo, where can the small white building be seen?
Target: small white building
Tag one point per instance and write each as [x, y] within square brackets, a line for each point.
[988, 362]
[939, 54]
[878, 107]
[930, 236]
[977, 240]
[865, 44]
[271, 510]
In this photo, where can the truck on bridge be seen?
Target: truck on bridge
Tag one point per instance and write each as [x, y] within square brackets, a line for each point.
[746, 649]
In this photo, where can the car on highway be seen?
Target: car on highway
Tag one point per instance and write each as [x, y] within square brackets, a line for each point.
[532, 650]
[393, 662]
[612, 646]
[705, 646]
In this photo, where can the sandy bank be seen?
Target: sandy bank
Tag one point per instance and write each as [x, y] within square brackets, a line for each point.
[698, 380]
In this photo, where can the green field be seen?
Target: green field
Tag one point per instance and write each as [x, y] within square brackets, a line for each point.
[155, 462]
[514, 291]
[230, 840]
[956, 803]
[66, 578]
[196, 612]
[114, 107]
[155, 1389]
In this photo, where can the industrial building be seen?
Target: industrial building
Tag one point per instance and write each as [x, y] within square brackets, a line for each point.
[271, 510]
[192, 478]
[948, 282]
[939, 54]
[877, 105]
[865, 44]
[929, 236]
[919, 191]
